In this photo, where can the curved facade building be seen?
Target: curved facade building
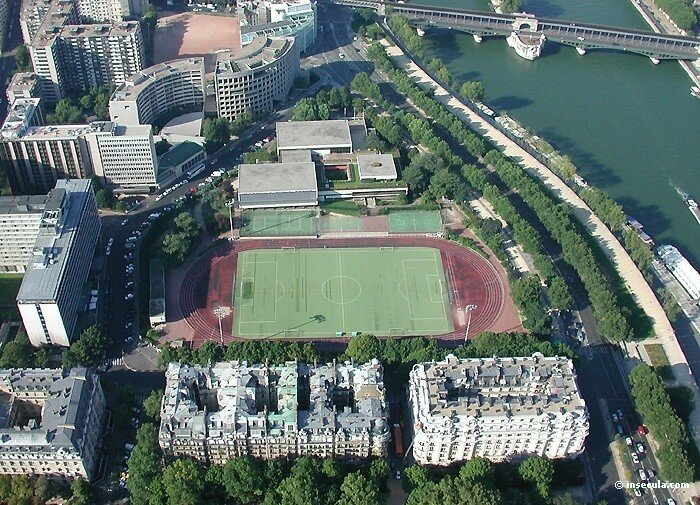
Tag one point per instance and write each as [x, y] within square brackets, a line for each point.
[253, 78]
[158, 90]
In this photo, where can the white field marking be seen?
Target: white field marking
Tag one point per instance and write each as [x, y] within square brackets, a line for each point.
[410, 312]
[445, 306]
[240, 316]
[342, 301]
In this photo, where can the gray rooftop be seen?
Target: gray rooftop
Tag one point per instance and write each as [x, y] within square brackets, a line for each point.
[261, 51]
[64, 396]
[56, 239]
[496, 386]
[276, 177]
[328, 134]
[25, 204]
[376, 166]
[295, 156]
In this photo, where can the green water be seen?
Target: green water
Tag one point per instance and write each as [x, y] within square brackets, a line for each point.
[631, 127]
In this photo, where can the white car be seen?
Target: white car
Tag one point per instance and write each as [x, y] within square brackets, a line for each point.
[398, 474]
[640, 448]
[108, 251]
[628, 441]
[136, 233]
[130, 296]
[637, 492]
[635, 458]
[110, 241]
[642, 474]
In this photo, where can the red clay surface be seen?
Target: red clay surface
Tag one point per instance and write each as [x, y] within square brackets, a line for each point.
[208, 283]
[181, 35]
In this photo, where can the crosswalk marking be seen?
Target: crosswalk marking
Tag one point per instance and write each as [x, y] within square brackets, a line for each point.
[113, 361]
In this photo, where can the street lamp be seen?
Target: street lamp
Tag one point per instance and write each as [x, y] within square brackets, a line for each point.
[230, 215]
[468, 309]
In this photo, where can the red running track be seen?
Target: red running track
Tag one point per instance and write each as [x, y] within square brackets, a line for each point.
[208, 283]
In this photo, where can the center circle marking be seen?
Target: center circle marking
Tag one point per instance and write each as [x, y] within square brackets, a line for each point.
[351, 289]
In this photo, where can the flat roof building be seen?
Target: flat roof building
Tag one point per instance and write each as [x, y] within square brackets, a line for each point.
[321, 137]
[124, 157]
[252, 79]
[376, 167]
[496, 408]
[287, 184]
[48, 299]
[20, 217]
[23, 85]
[179, 159]
[278, 18]
[156, 91]
[51, 422]
[226, 410]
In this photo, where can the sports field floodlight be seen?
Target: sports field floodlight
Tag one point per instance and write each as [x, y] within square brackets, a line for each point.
[230, 204]
[468, 309]
[220, 313]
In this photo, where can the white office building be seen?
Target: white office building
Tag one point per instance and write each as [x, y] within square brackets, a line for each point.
[51, 422]
[226, 410]
[496, 408]
[20, 217]
[48, 299]
[124, 157]
[278, 18]
[254, 78]
[97, 11]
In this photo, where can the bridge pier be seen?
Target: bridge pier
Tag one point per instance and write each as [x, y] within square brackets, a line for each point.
[655, 61]
[477, 38]
[420, 31]
[581, 50]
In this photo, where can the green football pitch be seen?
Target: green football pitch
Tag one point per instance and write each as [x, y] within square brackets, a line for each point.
[327, 292]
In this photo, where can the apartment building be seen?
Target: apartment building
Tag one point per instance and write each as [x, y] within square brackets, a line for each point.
[173, 86]
[497, 408]
[23, 85]
[20, 217]
[36, 156]
[226, 410]
[48, 299]
[97, 11]
[51, 422]
[123, 156]
[253, 78]
[278, 18]
[67, 55]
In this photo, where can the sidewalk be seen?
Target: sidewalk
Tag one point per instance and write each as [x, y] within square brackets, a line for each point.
[635, 282]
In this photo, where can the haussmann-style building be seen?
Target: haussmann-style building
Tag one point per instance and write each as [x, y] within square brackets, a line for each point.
[496, 408]
[225, 410]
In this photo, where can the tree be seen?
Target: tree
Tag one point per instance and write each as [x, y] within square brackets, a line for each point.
[508, 6]
[358, 105]
[418, 172]
[364, 348]
[558, 294]
[244, 480]
[472, 90]
[217, 133]
[443, 184]
[537, 472]
[379, 473]
[477, 469]
[152, 403]
[82, 492]
[22, 59]
[175, 248]
[144, 464]
[183, 481]
[415, 476]
[162, 147]
[17, 354]
[358, 490]
[21, 490]
[88, 350]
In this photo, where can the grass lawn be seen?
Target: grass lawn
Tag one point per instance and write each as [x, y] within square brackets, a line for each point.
[9, 286]
[322, 292]
[347, 207]
[659, 361]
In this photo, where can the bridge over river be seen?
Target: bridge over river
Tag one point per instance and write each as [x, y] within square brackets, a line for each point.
[527, 33]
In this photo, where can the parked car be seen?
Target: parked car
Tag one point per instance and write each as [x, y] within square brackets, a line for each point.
[637, 492]
[130, 245]
[635, 458]
[642, 474]
[628, 441]
[125, 221]
[615, 418]
[398, 474]
[642, 430]
[640, 448]
[129, 296]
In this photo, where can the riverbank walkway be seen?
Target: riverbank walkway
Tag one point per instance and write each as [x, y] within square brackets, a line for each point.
[628, 271]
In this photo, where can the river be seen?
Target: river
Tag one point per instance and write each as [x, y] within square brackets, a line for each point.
[631, 127]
